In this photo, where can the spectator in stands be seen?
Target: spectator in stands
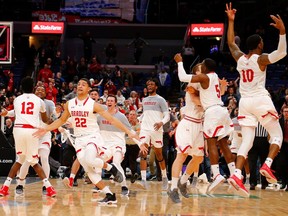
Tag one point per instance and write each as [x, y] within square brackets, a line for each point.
[95, 68]
[105, 95]
[88, 41]
[138, 43]
[127, 75]
[51, 92]
[135, 100]
[10, 85]
[9, 131]
[71, 70]
[110, 87]
[82, 68]
[126, 90]
[111, 53]
[56, 62]
[281, 161]
[120, 98]
[72, 94]
[165, 83]
[45, 74]
[118, 81]
[230, 94]
[188, 55]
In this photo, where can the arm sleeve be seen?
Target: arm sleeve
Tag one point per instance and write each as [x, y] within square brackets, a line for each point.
[281, 50]
[10, 113]
[183, 77]
[166, 117]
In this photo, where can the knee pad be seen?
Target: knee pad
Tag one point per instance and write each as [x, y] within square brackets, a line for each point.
[248, 134]
[275, 132]
[94, 162]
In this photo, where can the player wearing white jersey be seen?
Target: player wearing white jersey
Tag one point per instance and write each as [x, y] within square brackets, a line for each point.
[252, 69]
[190, 141]
[89, 144]
[217, 123]
[155, 115]
[44, 144]
[27, 108]
[114, 138]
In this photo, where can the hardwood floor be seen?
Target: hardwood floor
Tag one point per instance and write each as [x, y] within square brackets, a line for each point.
[153, 202]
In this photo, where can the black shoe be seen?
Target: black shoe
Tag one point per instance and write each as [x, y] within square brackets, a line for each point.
[19, 189]
[286, 189]
[263, 186]
[108, 199]
[75, 184]
[118, 177]
[134, 177]
[252, 187]
[283, 186]
[124, 191]
[44, 192]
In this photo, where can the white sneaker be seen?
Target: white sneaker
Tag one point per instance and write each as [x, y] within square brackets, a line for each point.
[218, 180]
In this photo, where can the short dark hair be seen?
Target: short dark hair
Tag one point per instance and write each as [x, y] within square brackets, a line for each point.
[113, 96]
[155, 80]
[87, 81]
[253, 41]
[210, 64]
[27, 85]
[94, 89]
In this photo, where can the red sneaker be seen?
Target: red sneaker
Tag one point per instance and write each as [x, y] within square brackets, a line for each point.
[238, 185]
[268, 173]
[4, 191]
[68, 182]
[50, 192]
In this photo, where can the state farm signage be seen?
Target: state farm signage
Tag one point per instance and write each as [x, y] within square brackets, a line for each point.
[48, 27]
[207, 29]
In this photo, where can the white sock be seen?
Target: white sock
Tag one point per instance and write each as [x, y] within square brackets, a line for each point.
[268, 161]
[109, 166]
[143, 175]
[231, 167]
[8, 181]
[215, 170]
[164, 173]
[238, 173]
[106, 190]
[184, 178]
[174, 182]
[72, 175]
[46, 183]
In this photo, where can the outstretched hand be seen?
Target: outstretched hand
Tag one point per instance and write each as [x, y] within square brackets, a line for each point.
[230, 11]
[278, 23]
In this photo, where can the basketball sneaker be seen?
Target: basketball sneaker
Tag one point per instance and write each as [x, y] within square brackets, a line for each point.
[68, 182]
[183, 189]
[50, 192]
[268, 173]
[218, 180]
[108, 199]
[19, 190]
[165, 183]
[238, 185]
[134, 177]
[174, 195]
[96, 189]
[4, 190]
[124, 191]
[118, 177]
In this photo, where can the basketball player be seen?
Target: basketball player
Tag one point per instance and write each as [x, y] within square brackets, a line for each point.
[44, 144]
[252, 69]
[155, 115]
[27, 108]
[114, 138]
[217, 122]
[89, 143]
[190, 141]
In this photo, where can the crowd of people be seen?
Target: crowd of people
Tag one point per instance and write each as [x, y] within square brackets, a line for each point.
[90, 114]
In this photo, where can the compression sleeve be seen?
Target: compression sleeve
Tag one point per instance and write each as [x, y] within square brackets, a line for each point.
[281, 50]
[183, 77]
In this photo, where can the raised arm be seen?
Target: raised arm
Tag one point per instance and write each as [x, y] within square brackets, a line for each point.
[234, 49]
[281, 51]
